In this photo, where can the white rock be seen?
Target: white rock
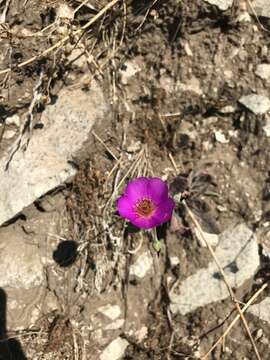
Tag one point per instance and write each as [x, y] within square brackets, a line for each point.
[44, 165]
[167, 83]
[227, 109]
[130, 68]
[237, 253]
[20, 265]
[142, 265]
[187, 49]
[64, 11]
[220, 137]
[13, 120]
[221, 4]
[9, 134]
[261, 7]
[261, 310]
[263, 71]
[141, 333]
[115, 350]
[258, 104]
[111, 311]
[212, 239]
[192, 85]
[134, 146]
[266, 127]
[115, 325]
[174, 260]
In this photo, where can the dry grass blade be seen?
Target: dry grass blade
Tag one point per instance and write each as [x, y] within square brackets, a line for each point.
[61, 42]
[106, 147]
[251, 300]
[200, 232]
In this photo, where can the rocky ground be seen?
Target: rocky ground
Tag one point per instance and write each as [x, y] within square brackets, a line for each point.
[92, 94]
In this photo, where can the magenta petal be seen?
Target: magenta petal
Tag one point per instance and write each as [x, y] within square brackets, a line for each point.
[153, 189]
[137, 189]
[164, 212]
[157, 190]
[144, 223]
[125, 208]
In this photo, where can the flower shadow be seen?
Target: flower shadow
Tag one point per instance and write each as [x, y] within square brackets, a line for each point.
[66, 253]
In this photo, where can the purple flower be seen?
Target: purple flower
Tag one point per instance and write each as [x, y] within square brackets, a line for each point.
[146, 202]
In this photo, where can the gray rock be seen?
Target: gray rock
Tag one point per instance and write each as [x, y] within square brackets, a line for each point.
[258, 104]
[22, 279]
[237, 253]
[115, 350]
[26, 306]
[261, 7]
[261, 310]
[20, 265]
[263, 71]
[44, 165]
[221, 4]
[142, 265]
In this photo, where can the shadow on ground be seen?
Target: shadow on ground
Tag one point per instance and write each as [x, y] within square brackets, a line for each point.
[10, 349]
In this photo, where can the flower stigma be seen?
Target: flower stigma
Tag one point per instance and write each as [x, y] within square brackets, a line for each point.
[145, 208]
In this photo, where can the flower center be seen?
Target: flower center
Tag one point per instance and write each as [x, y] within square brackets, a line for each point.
[145, 208]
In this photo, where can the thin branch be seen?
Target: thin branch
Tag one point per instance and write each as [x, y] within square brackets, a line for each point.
[106, 147]
[197, 225]
[251, 300]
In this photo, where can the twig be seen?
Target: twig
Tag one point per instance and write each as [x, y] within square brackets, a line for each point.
[173, 163]
[200, 232]
[170, 115]
[26, 128]
[113, 169]
[80, 6]
[4, 13]
[251, 300]
[66, 38]
[145, 16]
[106, 147]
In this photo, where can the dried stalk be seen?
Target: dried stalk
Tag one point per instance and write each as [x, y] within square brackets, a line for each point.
[198, 227]
[251, 300]
[66, 38]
